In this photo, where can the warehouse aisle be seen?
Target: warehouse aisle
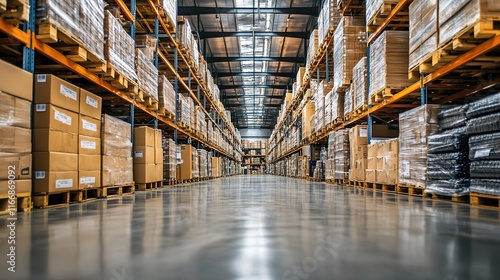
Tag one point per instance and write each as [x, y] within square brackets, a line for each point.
[257, 227]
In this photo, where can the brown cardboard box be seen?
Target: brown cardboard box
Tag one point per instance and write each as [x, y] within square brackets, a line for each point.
[89, 179]
[89, 126]
[215, 167]
[359, 152]
[21, 163]
[15, 140]
[90, 104]
[48, 116]
[144, 136]
[185, 170]
[55, 181]
[16, 81]
[89, 145]
[159, 172]
[51, 161]
[371, 163]
[115, 127]
[14, 111]
[89, 162]
[50, 89]
[381, 177]
[117, 171]
[373, 150]
[46, 140]
[359, 134]
[144, 173]
[380, 162]
[21, 186]
[113, 145]
[371, 175]
[144, 155]
[307, 113]
[158, 138]
[158, 155]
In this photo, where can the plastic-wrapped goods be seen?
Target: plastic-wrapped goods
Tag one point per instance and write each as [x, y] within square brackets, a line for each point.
[486, 169]
[423, 53]
[423, 30]
[166, 95]
[169, 8]
[453, 117]
[337, 106]
[485, 147]
[389, 62]
[456, 17]
[328, 108]
[359, 85]
[374, 6]
[195, 163]
[347, 50]
[331, 145]
[116, 147]
[341, 164]
[447, 142]
[484, 106]
[147, 75]
[414, 127]
[313, 47]
[119, 47]
[348, 101]
[484, 124]
[147, 44]
[169, 159]
[329, 18]
[203, 168]
[455, 187]
[185, 109]
[81, 20]
[447, 166]
[489, 186]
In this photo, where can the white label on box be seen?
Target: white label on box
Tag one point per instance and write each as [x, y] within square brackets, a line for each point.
[65, 119]
[39, 174]
[87, 180]
[92, 102]
[41, 107]
[68, 92]
[63, 184]
[363, 132]
[138, 154]
[41, 78]
[89, 126]
[482, 153]
[88, 145]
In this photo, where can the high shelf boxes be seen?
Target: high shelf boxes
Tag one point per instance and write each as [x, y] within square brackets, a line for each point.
[147, 77]
[328, 19]
[148, 155]
[15, 139]
[423, 16]
[359, 85]
[166, 97]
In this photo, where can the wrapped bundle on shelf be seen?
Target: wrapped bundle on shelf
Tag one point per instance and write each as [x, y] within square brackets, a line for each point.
[313, 123]
[147, 75]
[359, 85]
[378, 8]
[388, 65]
[118, 48]
[200, 123]
[323, 89]
[414, 127]
[485, 106]
[341, 164]
[185, 110]
[348, 101]
[195, 163]
[313, 47]
[169, 159]
[168, 10]
[82, 21]
[202, 67]
[166, 97]
[423, 32]
[348, 49]
[203, 157]
[328, 108]
[337, 106]
[117, 162]
[147, 44]
[461, 17]
[452, 118]
[328, 19]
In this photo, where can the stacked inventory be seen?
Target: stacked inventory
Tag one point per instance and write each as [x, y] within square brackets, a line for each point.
[185, 170]
[117, 161]
[388, 64]
[319, 169]
[147, 76]
[414, 127]
[307, 113]
[147, 45]
[328, 108]
[423, 31]
[328, 19]
[196, 163]
[169, 159]
[360, 85]
[118, 48]
[187, 41]
[300, 78]
[15, 139]
[166, 97]
[484, 131]
[209, 164]
[374, 7]
[347, 50]
[323, 89]
[448, 164]
[185, 110]
[200, 123]
[169, 8]
[348, 101]
[313, 47]
[337, 106]
[80, 20]
[148, 155]
[330, 160]
[55, 135]
[382, 164]
[341, 150]
[203, 167]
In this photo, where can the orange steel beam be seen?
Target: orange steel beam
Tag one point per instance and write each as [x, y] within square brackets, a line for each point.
[14, 32]
[125, 10]
[390, 17]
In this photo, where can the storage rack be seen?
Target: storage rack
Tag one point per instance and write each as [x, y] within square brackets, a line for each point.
[261, 157]
[118, 102]
[433, 85]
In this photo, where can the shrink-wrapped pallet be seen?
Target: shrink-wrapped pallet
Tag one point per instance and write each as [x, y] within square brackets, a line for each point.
[337, 106]
[341, 163]
[147, 75]
[313, 47]
[348, 101]
[328, 19]
[169, 159]
[203, 157]
[185, 109]
[359, 85]
[195, 164]
[147, 44]
[423, 34]
[328, 108]
[166, 95]
[169, 8]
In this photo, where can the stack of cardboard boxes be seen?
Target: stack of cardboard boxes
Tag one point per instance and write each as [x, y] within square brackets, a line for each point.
[216, 167]
[383, 159]
[148, 155]
[15, 139]
[185, 170]
[169, 159]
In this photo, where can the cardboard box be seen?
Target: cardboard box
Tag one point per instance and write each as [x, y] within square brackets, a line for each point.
[145, 173]
[158, 156]
[372, 150]
[15, 164]
[90, 104]
[159, 172]
[50, 89]
[15, 140]
[117, 178]
[50, 161]
[14, 111]
[158, 138]
[215, 167]
[113, 145]
[372, 163]
[307, 113]
[144, 155]
[46, 140]
[46, 116]
[144, 136]
[89, 126]
[21, 186]
[55, 181]
[371, 175]
[89, 145]
[89, 179]
[185, 170]
[116, 127]
[16, 81]
[358, 135]
[89, 162]
[380, 162]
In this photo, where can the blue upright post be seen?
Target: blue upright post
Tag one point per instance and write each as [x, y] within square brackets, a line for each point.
[423, 91]
[157, 31]
[327, 67]
[369, 119]
[176, 89]
[28, 51]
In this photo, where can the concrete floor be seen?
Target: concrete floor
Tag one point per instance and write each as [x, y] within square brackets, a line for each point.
[256, 227]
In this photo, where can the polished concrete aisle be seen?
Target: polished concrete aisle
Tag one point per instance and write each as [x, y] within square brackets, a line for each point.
[256, 227]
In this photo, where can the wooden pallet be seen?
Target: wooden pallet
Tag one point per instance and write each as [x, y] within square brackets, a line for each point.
[148, 186]
[382, 95]
[452, 198]
[357, 184]
[22, 204]
[120, 81]
[485, 200]
[343, 182]
[113, 191]
[85, 195]
[381, 186]
[167, 114]
[381, 14]
[168, 21]
[145, 98]
[361, 109]
[424, 66]
[15, 11]
[410, 190]
[51, 200]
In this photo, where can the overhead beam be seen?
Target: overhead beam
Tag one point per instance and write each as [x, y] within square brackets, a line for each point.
[209, 35]
[260, 74]
[252, 58]
[193, 11]
[229, 87]
[252, 105]
[252, 96]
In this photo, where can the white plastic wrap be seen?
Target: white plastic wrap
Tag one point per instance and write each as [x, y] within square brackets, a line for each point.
[166, 95]
[147, 75]
[348, 101]
[374, 6]
[341, 164]
[423, 22]
[169, 7]
[169, 159]
[329, 17]
[359, 84]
